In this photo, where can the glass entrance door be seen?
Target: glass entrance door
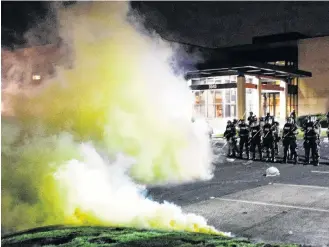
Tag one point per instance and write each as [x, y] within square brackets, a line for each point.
[271, 104]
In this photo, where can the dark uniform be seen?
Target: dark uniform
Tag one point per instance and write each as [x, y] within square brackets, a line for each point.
[267, 117]
[256, 139]
[230, 135]
[277, 138]
[311, 138]
[250, 118]
[244, 138]
[289, 140]
[268, 140]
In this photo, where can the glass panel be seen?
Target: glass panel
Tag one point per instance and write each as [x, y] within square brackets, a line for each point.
[219, 111]
[233, 110]
[277, 106]
[199, 102]
[210, 104]
[233, 96]
[227, 111]
[219, 103]
[227, 96]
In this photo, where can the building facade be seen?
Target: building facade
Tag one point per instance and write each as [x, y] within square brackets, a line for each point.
[275, 75]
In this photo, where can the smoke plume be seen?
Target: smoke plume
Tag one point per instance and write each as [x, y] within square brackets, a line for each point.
[79, 147]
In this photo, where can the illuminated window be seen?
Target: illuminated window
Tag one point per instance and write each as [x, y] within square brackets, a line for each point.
[36, 77]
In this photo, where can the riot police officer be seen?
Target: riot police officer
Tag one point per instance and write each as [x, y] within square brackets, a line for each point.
[230, 135]
[311, 137]
[244, 138]
[268, 139]
[262, 121]
[276, 132]
[289, 140]
[256, 139]
[267, 117]
[293, 115]
[250, 118]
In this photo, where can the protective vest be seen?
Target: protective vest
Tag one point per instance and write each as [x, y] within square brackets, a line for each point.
[268, 131]
[255, 132]
[244, 130]
[310, 130]
[289, 130]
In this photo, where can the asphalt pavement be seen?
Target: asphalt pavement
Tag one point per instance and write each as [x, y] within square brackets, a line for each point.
[291, 207]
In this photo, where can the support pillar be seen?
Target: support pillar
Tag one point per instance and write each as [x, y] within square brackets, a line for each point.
[283, 101]
[259, 92]
[241, 96]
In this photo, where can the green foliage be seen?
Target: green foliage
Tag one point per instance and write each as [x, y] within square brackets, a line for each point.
[105, 236]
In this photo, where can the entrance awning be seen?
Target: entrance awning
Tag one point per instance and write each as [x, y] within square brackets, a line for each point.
[255, 69]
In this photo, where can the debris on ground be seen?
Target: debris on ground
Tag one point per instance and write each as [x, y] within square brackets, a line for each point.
[230, 159]
[272, 172]
[248, 162]
[212, 197]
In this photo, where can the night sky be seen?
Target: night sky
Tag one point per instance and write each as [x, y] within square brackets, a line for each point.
[210, 24]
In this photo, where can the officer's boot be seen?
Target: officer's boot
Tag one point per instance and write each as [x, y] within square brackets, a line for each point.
[316, 162]
[276, 148]
[247, 153]
[267, 154]
[285, 151]
[295, 158]
[273, 155]
[240, 155]
[316, 158]
[260, 154]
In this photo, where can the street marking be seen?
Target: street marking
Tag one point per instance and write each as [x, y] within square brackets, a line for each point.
[320, 171]
[305, 186]
[275, 205]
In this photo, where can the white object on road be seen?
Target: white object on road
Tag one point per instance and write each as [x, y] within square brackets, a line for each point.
[272, 172]
[212, 197]
[326, 140]
[230, 160]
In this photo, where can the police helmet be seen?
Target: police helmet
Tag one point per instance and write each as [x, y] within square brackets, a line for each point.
[313, 119]
[268, 114]
[251, 113]
[289, 120]
[229, 122]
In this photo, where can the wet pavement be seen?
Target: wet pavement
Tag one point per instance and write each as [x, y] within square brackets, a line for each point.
[292, 207]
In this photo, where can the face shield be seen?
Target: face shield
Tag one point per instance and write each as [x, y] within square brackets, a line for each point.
[289, 120]
[313, 119]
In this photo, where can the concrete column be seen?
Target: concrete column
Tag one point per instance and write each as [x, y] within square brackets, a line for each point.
[283, 101]
[259, 93]
[241, 96]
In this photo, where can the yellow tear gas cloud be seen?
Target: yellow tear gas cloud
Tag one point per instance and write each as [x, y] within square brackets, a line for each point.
[122, 97]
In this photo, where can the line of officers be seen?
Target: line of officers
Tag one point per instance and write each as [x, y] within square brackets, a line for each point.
[264, 135]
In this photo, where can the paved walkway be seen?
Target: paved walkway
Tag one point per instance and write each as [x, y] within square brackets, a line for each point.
[274, 213]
